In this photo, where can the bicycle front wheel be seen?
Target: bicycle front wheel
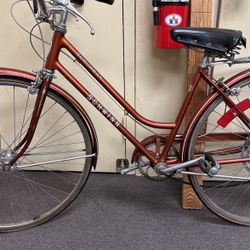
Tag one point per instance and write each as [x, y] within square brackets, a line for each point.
[225, 138]
[55, 167]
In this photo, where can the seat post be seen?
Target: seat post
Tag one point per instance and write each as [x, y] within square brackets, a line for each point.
[206, 61]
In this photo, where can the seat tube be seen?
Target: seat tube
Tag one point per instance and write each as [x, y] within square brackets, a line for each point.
[182, 113]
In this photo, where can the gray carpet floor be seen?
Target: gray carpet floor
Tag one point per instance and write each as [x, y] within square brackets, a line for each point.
[126, 212]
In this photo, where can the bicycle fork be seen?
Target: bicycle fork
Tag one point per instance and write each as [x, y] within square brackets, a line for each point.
[43, 80]
[45, 77]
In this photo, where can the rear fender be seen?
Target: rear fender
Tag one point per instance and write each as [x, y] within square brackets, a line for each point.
[28, 77]
[208, 101]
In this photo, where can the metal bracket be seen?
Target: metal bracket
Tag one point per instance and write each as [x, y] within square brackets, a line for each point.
[43, 74]
[229, 91]
[162, 167]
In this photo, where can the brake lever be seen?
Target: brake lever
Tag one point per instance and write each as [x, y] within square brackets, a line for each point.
[75, 13]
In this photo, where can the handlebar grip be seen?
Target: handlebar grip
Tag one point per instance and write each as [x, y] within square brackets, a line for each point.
[156, 17]
[35, 6]
[79, 2]
[106, 1]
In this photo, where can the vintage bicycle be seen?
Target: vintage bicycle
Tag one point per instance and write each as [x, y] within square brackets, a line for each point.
[48, 144]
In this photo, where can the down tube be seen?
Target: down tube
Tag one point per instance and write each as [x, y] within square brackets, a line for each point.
[104, 111]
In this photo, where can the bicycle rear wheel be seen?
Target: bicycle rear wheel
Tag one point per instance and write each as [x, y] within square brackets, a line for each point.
[55, 167]
[224, 138]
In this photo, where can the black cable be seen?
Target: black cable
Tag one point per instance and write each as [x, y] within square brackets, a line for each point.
[218, 14]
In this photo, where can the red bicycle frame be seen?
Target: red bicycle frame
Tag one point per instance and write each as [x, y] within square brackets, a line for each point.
[60, 42]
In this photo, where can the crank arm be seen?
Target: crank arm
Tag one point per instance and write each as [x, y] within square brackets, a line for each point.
[54, 161]
[127, 170]
[216, 176]
[161, 167]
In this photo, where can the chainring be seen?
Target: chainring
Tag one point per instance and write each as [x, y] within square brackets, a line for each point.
[144, 165]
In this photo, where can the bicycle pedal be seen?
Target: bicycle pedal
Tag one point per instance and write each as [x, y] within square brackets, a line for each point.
[209, 165]
[121, 164]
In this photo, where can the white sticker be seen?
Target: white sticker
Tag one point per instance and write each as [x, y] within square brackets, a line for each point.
[173, 20]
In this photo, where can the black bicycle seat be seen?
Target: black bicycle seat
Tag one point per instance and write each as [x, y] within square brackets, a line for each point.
[213, 40]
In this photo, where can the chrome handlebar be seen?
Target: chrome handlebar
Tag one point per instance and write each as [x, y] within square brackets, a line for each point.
[60, 5]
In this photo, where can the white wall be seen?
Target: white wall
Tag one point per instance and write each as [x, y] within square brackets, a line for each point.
[160, 73]
[154, 78]
[235, 15]
[104, 50]
[157, 72]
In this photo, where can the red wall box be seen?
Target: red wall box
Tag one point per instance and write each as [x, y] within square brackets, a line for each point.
[169, 14]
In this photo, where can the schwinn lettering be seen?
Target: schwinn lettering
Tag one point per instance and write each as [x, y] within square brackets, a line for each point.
[91, 68]
[103, 110]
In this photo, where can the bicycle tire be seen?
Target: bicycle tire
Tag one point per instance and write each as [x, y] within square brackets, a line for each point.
[31, 194]
[226, 197]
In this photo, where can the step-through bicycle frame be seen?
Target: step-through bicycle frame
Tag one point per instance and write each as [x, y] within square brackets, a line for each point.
[59, 42]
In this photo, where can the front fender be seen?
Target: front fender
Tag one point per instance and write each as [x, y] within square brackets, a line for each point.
[26, 76]
[211, 98]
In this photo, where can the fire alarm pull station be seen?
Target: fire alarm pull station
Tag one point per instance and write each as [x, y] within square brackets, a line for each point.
[169, 14]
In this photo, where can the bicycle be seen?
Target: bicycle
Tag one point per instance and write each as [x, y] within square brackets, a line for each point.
[48, 144]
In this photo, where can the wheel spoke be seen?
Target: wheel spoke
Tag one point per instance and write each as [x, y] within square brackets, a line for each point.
[226, 193]
[21, 133]
[24, 117]
[52, 171]
[48, 130]
[53, 135]
[14, 112]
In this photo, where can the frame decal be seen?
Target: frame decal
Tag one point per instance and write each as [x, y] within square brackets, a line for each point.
[103, 110]
[90, 67]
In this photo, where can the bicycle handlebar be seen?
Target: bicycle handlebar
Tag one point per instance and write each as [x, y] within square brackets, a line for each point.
[40, 4]
[106, 1]
[79, 2]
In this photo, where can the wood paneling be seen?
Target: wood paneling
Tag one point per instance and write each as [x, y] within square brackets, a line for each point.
[201, 16]
[201, 6]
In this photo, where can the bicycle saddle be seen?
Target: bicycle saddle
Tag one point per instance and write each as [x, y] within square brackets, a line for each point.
[214, 41]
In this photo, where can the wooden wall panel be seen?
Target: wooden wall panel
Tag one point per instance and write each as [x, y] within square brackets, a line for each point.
[201, 6]
[201, 16]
